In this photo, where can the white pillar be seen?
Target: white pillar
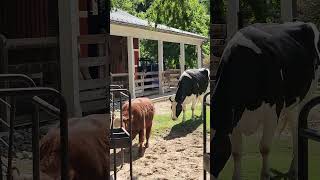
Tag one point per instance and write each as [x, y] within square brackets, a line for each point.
[131, 69]
[160, 65]
[199, 51]
[69, 68]
[232, 17]
[182, 57]
[286, 11]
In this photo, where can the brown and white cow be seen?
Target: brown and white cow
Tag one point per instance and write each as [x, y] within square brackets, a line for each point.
[142, 113]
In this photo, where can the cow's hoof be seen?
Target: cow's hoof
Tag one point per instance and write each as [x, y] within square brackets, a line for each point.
[146, 145]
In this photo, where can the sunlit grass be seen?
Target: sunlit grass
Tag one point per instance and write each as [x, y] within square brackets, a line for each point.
[280, 157]
[164, 122]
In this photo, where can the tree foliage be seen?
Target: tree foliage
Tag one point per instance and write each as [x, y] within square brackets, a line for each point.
[187, 15]
[309, 11]
[261, 11]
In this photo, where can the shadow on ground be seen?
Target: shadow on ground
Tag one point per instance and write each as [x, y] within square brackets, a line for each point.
[119, 160]
[184, 128]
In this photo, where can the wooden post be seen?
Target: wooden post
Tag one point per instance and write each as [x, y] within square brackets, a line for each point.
[182, 58]
[69, 69]
[199, 51]
[286, 10]
[131, 68]
[160, 66]
[232, 17]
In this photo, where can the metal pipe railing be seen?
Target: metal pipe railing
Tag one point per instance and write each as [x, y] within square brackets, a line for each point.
[30, 92]
[127, 94]
[11, 107]
[204, 116]
[304, 134]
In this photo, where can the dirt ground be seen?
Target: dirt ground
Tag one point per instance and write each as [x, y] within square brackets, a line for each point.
[163, 107]
[169, 156]
[179, 158]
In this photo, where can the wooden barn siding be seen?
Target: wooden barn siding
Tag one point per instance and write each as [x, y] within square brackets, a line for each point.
[83, 23]
[119, 54]
[29, 18]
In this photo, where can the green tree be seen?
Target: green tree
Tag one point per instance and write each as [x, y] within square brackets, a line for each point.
[309, 11]
[187, 15]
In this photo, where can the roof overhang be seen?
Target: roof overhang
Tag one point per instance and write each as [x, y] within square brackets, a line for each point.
[143, 32]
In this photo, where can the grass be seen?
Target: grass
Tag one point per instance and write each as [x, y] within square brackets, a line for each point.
[280, 157]
[164, 122]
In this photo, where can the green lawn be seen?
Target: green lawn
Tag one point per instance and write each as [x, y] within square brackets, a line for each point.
[164, 122]
[251, 163]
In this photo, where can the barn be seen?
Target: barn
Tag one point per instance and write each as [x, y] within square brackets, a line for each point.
[126, 31]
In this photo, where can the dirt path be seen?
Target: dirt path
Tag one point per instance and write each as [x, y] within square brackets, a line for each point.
[170, 156]
[178, 158]
[163, 107]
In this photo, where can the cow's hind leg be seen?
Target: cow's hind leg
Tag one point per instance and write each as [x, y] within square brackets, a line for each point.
[269, 127]
[141, 138]
[148, 132]
[236, 141]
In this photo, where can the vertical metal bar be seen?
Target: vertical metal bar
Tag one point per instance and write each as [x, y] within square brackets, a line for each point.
[302, 158]
[1, 173]
[204, 116]
[303, 144]
[10, 150]
[120, 107]
[130, 129]
[115, 163]
[35, 144]
[64, 139]
[112, 123]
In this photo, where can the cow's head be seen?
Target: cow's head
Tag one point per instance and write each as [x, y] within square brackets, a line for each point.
[125, 120]
[176, 109]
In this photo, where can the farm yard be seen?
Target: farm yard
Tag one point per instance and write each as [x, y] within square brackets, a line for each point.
[175, 151]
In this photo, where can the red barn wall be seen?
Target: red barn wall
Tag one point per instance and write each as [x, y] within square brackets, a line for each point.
[83, 25]
[29, 18]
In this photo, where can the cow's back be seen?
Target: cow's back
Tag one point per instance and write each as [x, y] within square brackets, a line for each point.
[88, 144]
[142, 109]
[192, 82]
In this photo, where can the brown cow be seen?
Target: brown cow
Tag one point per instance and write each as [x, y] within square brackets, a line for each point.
[88, 149]
[142, 110]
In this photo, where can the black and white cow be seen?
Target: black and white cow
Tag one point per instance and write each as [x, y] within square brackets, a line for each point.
[193, 83]
[267, 73]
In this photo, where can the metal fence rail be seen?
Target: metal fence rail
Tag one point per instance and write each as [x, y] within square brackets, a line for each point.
[119, 137]
[206, 155]
[31, 92]
[10, 107]
[304, 135]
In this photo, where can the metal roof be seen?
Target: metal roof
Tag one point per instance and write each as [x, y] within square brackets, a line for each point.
[118, 16]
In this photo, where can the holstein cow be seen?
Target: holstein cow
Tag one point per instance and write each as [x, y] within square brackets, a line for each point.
[267, 73]
[193, 83]
[142, 113]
